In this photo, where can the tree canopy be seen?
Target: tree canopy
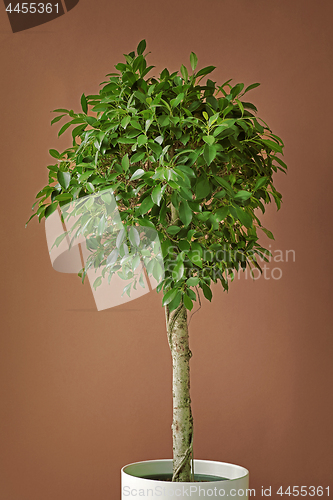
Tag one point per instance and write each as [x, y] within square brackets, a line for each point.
[184, 157]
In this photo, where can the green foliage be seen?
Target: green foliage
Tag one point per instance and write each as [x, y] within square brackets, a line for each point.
[188, 159]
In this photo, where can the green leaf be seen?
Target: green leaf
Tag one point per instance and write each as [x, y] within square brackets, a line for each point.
[222, 213]
[141, 47]
[101, 226]
[156, 149]
[89, 203]
[250, 87]
[280, 162]
[61, 110]
[185, 213]
[209, 153]
[187, 302]
[121, 67]
[169, 296]
[163, 120]
[191, 294]
[241, 107]
[226, 124]
[213, 118]
[260, 183]
[206, 291]
[112, 258]
[85, 176]
[127, 289]
[193, 281]
[173, 230]
[205, 71]
[225, 184]
[268, 233]
[209, 139]
[56, 119]
[184, 245]
[202, 189]
[156, 195]
[64, 128]
[142, 139]
[257, 126]
[193, 61]
[141, 281]
[107, 198]
[138, 156]
[244, 217]
[177, 100]
[134, 236]
[125, 163]
[184, 72]
[190, 234]
[31, 217]
[84, 104]
[77, 131]
[60, 239]
[242, 195]
[236, 89]
[176, 301]
[158, 272]
[125, 121]
[195, 258]
[185, 193]
[146, 205]
[54, 153]
[97, 282]
[126, 140]
[53, 168]
[63, 197]
[197, 247]
[91, 120]
[272, 145]
[120, 237]
[204, 216]
[220, 194]
[187, 170]
[138, 63]
[64, 178]
[50, 209]
[178, 271]
[137, 174]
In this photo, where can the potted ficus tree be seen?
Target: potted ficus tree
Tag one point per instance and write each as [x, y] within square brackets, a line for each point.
[189, 160]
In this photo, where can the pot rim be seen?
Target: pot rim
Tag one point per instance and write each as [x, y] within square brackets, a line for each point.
[242, 471]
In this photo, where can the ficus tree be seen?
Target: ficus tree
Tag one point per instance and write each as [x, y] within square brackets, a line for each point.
[188, 158]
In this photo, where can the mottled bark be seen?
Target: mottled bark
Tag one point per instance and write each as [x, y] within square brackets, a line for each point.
[182, 424]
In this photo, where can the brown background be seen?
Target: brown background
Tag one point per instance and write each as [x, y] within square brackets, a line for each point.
[85, 392]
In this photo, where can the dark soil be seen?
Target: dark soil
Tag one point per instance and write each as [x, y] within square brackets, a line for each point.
[198, 478]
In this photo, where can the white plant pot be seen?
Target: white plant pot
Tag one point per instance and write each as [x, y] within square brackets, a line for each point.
[134, 482]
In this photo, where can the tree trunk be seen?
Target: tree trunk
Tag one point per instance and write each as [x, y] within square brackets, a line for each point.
[182, 424]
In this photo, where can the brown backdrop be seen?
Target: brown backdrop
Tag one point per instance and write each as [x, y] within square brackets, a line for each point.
[85, 392]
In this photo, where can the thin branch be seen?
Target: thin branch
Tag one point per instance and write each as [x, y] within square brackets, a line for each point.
[196, 288]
